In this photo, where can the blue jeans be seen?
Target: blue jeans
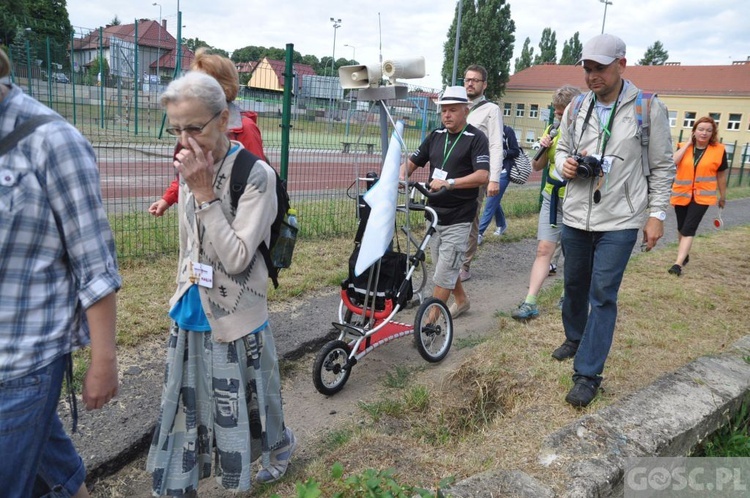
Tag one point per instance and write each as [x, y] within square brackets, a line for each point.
[38, 457]
[594, 265]
[492, 207]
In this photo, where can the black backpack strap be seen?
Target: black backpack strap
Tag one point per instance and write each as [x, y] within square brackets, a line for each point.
[241, 169]
[25, 129]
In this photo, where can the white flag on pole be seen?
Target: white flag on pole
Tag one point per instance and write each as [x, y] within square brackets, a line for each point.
[382, 199]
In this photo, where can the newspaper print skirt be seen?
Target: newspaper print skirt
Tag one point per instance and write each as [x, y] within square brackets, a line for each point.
[221, 402]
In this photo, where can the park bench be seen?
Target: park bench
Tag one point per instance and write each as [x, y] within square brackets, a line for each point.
[346, 147]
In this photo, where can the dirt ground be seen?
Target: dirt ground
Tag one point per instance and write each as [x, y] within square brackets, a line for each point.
[311, 415]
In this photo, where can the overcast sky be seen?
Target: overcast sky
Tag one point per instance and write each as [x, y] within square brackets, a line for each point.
[694, 32]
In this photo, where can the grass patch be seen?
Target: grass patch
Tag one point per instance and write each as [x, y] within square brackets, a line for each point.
[398, 378]
[494, 409]
[732, 440]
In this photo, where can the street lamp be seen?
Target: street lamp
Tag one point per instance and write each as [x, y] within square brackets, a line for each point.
[605, 2]
[354, 52]
[336, 25]
[158, 49]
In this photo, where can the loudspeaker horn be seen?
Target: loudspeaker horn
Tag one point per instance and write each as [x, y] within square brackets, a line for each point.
[360, 76]
[403, 68]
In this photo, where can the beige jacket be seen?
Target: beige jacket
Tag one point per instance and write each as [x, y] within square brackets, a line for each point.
[489, 120]
[236, 304]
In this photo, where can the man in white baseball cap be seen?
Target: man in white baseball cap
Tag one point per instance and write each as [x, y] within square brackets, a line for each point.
[605, 212]
[459, 159]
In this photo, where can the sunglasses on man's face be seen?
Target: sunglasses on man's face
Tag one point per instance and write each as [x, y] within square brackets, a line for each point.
[190, 130]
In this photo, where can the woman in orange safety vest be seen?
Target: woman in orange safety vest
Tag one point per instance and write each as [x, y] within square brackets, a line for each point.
[701, 170]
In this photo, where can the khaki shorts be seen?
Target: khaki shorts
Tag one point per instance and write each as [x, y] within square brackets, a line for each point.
[448, 248]
[545, 231]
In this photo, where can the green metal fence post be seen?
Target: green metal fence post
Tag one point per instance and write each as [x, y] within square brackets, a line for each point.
[101, 77]
[286, 110]
[73, 73]
[49, 76]
[135, 78]
[28, 64]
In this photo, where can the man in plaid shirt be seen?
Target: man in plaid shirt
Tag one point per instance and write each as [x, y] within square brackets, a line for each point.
[58, 279]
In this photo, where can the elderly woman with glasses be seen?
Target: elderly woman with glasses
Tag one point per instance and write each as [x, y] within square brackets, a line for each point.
[222, 389]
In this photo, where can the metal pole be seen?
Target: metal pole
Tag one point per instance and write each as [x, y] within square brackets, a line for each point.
[28, 61]
[605, 2]
[158, 50]
[135, 81]
[458, 39]
[336, 26]
[286, 110]
[354, 51]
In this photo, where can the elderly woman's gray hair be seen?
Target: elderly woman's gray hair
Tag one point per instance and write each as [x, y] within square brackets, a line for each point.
[199, 86]
[564, 95]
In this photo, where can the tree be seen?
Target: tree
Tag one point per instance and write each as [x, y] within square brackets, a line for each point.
[527, 54]
[93, 75]
[115, 21]
[193, 44]
[39, 18]
[253, 53]
[572, 50]
[547, 47]
[486, 39]
[655, 55]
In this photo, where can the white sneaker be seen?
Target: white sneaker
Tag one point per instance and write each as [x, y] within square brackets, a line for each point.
[500, 231]
[480, 238]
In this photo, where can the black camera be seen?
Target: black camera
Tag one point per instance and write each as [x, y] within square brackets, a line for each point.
[588, 166]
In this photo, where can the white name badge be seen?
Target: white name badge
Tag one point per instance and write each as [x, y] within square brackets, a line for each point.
[202, 274]
[439, 174]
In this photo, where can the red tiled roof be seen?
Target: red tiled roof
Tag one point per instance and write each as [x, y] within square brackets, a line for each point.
[169, 59]
[148, 36]
[731, 80]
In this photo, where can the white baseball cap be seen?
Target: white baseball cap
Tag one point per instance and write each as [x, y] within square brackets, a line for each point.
[603, 49]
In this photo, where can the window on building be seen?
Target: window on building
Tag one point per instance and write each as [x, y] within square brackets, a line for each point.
[506, 109]
[519, 110]
[534, 111]
[734, 122]
[716, 116]
[530, 137]
[672, 119]
[689, 120]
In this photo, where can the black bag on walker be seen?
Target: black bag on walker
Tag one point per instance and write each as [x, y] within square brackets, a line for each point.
[392, 275]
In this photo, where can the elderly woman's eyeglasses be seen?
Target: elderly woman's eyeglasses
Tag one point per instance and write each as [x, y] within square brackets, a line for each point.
[190, 130]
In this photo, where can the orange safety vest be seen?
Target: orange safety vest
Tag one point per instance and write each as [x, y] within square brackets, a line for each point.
[697, 182]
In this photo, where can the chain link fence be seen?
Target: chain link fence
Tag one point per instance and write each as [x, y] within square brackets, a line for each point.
[107, 83]
[320, 137]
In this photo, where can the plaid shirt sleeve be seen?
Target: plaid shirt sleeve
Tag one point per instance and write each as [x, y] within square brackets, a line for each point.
[57, 254]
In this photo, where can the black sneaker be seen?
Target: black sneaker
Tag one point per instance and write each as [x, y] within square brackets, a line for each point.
[583, 392]
[675, 270]
[552, 269]
[687, 260]
[567, 350]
